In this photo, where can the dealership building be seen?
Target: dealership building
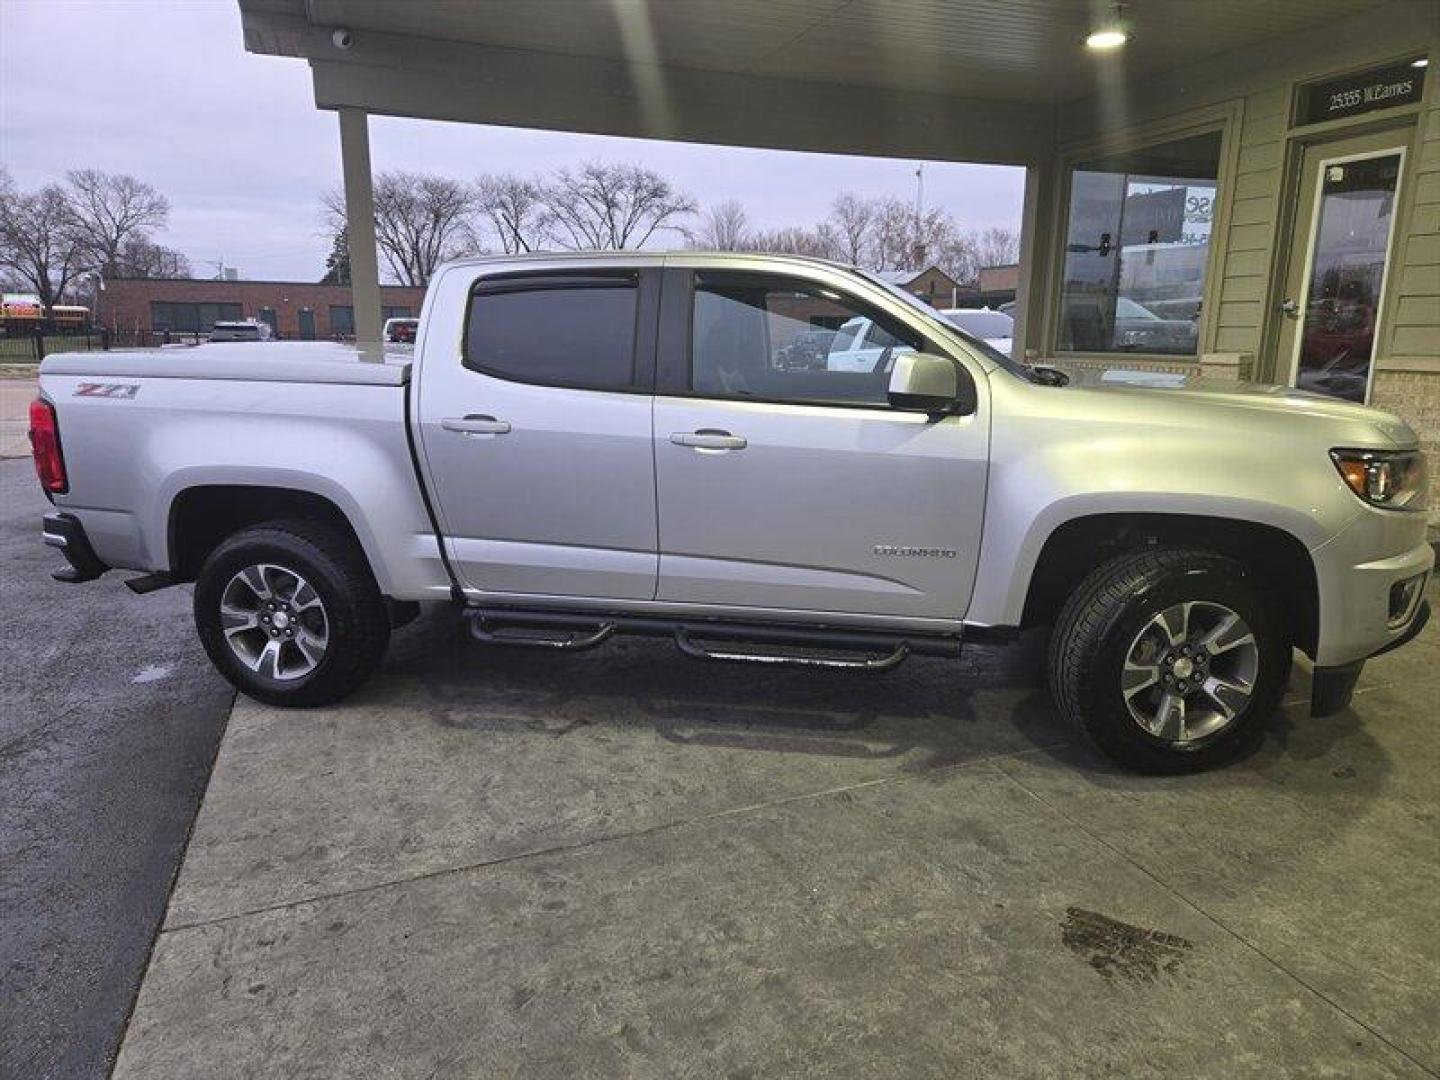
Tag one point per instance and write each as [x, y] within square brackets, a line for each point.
[1244, 190]
[294, 309]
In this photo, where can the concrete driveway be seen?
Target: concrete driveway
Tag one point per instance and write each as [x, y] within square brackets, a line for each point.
[622, 863]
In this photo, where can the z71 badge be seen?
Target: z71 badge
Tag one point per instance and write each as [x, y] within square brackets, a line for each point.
[107, 389]
[914, 552]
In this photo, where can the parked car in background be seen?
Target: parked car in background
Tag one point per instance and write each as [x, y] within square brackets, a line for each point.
[1138, 329]
[807, 351]
[611, 443]
[242, 330]
[863, 346]
[400, 331]
[995, 328]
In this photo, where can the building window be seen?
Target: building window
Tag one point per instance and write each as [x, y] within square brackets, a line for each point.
[342, 320]
[191, 318]
[1136, 247]
[342, 317]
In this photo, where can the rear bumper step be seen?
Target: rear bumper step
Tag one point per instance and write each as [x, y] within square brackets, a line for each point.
[753, 642]
[65, 532]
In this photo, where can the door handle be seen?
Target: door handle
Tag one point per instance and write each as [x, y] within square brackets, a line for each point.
[475, 424]
[709, 439]
[1290, 307]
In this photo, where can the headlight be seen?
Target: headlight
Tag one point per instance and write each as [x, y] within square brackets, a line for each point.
[1395, 481]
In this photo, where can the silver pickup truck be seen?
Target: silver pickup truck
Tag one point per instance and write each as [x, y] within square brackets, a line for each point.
[579, 446]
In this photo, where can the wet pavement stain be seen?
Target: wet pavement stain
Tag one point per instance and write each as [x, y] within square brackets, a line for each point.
[1119, 951]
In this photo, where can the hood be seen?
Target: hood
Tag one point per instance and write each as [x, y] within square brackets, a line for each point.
[1280, 401]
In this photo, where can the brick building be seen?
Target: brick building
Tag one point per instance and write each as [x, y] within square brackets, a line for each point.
[933, 285]
[295, 309]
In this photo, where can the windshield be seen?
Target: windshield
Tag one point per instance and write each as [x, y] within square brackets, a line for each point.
[949, 330]
[985, 324]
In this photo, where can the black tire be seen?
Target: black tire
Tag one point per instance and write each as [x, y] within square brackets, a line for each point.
[356, 620]
[1102, 619]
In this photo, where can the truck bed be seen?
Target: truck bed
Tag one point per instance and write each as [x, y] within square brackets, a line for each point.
[144, 430]
[251, 361]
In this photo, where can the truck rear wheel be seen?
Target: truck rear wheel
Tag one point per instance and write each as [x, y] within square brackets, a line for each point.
[1169, 660]
[289, 612]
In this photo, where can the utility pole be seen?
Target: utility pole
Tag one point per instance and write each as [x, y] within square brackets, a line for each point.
[917, 249]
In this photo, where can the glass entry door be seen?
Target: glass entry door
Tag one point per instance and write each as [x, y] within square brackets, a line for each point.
[1345, 227]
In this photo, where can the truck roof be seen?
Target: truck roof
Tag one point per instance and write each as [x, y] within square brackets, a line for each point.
[643, 257]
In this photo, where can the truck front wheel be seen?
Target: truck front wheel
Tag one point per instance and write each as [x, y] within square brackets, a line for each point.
[289, 612]
[1168, 659]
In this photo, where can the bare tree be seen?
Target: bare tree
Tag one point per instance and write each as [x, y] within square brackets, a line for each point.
[724, 227]
[512, 207]
[609, 207]
[996, 247]
[420, 221]
[851, 219]
[901, 240]
[143, 258]
[957, 257]
[108, 211]
[818, 242]
[39, 246]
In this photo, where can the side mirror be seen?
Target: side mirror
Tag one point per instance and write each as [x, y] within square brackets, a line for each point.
[923, 382]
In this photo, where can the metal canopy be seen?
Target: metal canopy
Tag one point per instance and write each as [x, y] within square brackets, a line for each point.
[977, 81]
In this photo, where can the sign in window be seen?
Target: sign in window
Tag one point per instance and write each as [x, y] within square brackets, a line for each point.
[1136, 248]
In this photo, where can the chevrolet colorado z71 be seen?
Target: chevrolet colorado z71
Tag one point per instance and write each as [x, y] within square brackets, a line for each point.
[585, 445]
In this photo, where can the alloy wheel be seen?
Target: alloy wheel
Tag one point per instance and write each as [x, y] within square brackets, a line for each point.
[274, 621]
[1190, 671]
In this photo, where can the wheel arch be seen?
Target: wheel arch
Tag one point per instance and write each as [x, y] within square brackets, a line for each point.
[203, 515]
[1075, 547]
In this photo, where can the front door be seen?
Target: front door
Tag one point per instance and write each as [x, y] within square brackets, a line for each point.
[306, 319]
[1335, 282]
[537, 437]
[785, 480]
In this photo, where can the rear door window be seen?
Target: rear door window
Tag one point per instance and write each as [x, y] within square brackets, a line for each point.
[576, 331]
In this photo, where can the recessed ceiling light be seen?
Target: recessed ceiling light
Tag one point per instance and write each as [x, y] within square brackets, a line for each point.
[1424, 61]
[1106, 39]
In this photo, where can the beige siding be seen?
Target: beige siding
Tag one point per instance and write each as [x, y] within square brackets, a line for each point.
[1407, 370]
[1407, 356]
[1413, 333]
[1250, 240]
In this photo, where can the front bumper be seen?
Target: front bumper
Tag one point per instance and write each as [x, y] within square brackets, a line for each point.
[1355, 573]
[65, 532]
[1331, 688]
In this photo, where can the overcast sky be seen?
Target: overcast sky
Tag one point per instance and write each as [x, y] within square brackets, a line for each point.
[164, 90]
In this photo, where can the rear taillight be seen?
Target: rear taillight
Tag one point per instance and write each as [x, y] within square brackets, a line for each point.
[45, 446]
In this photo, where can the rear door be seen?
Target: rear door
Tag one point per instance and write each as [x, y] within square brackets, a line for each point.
[537, 435]
[803, 490]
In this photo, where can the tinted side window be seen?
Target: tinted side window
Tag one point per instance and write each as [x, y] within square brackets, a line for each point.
[557, 334]
[769, 339]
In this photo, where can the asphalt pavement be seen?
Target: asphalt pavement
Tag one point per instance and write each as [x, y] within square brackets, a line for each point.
[110, 718]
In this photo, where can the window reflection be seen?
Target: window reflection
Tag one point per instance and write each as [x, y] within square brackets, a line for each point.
[1347, 271]
[1136, 247]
